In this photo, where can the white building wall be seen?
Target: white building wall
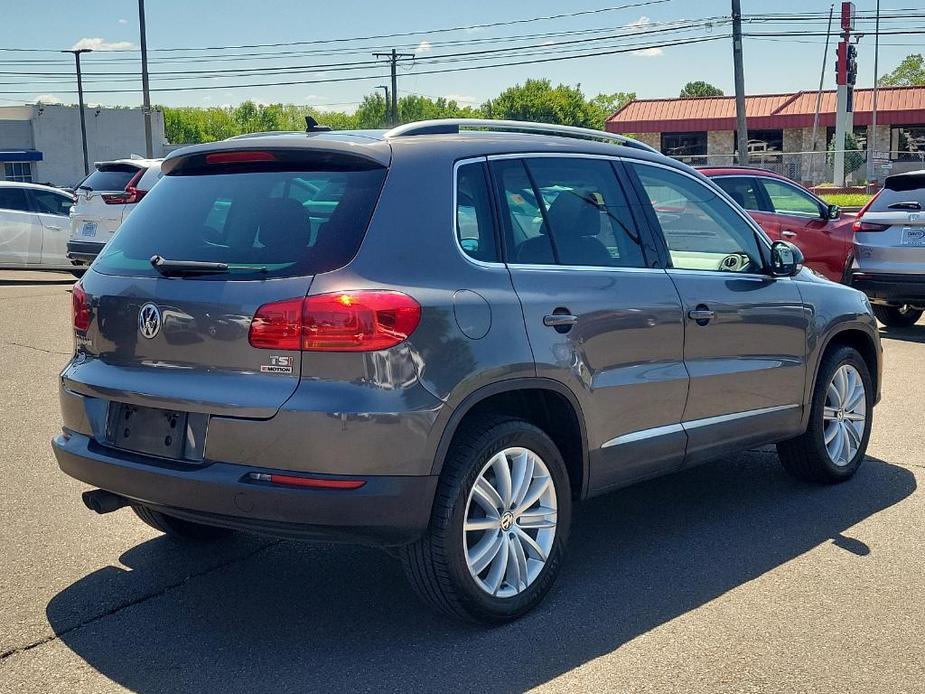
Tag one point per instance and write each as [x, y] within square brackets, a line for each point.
[112, 133]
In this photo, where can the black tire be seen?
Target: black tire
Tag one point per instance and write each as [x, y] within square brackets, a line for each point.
[897, 316]
[178, 528]
[436, 564]
[805, 457]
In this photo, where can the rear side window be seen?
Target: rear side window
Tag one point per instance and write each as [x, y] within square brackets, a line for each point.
[47, 202]
[13, 199]
[475, 229]
[567, 211]
[112, 177]
[261, 224]
[742, 189]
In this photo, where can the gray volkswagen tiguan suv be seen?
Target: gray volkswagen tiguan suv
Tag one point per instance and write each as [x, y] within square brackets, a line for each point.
[438, 338]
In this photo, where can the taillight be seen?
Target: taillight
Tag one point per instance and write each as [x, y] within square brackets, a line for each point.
[80, 308]
[869, 226]
[865, 226]
[130, 195]
[351, 321]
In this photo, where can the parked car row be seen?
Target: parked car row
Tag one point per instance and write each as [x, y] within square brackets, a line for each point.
[47, 228]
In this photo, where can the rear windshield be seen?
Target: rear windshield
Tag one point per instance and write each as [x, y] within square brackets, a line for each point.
[113, 177]
[261, 224]
[899, 200]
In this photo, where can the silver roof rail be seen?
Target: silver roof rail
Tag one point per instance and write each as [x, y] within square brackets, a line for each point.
[449, 126]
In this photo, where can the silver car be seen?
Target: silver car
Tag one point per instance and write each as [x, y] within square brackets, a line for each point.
[889, 250]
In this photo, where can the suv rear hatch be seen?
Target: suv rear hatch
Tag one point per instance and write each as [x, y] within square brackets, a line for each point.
[235, 230]
[100, 205]
[890, 232]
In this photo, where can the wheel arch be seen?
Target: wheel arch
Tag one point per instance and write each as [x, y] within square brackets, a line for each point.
[539, 401]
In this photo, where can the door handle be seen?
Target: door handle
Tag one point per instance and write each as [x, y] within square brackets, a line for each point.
[53, 227]
[702, 314]
[789, 234]
[558, 320]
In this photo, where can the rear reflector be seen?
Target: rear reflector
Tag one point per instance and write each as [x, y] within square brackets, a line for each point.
[307, 482]
[351, 321]
[80, 306]
[239, 157]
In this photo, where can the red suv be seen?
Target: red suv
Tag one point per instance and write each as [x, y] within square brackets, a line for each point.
[787, 211]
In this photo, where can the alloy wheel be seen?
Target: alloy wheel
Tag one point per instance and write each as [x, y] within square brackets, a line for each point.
[844, 415]
[510, 522]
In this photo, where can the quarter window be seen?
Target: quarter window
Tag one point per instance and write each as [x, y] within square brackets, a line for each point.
[568, 211]
[475, 229]
[787, 199]
[701, 230]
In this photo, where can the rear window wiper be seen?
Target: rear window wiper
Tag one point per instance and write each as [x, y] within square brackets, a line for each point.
[180, 268]
[908, 205]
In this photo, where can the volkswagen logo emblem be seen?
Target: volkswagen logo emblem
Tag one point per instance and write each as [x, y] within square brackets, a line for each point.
[149, 320]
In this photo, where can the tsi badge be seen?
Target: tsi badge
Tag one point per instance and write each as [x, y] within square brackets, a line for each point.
[277, 365]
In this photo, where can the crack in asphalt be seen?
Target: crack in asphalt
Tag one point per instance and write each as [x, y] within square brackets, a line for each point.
[37, 349]
[131, 603]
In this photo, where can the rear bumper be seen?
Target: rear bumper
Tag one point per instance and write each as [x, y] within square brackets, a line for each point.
[84, 251]
[890, 288]
[387, 510]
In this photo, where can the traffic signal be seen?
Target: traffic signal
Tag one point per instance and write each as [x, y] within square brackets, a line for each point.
[852, 65]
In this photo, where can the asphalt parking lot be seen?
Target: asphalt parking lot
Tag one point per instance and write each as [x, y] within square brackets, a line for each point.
[729, 577]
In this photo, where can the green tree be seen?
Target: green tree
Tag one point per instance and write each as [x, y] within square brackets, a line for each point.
[700, 88]
[538, 100]
[605, 105]
[854, 158]
[909, 73]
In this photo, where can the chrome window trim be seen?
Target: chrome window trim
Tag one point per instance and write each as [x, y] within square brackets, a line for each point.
[665, 430]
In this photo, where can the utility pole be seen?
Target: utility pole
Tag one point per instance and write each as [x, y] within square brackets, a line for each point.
[388, 104]
[146, 96]
[741, 125]
[393, 58]
[80, 98]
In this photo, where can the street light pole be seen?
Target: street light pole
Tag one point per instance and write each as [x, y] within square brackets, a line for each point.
[146, 96]
[80, 98]
[872, 140]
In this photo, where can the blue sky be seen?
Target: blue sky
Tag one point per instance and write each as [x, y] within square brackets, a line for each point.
[771, 66]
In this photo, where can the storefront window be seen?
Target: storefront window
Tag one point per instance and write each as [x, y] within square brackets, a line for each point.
[907, 143]
[20, 171]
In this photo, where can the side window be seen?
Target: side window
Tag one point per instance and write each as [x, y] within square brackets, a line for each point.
[585, 212]
[742, 189]
[701, 230]
[522, 217]
[475, 226]
[46, 202]
[13, 199]
[787, 199]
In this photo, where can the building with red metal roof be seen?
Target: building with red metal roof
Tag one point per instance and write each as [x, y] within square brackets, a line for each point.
[701, 130]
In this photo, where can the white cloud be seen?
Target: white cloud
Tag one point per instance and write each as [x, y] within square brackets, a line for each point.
[207, 98]
[461, 98]
[645, 52]
[423, 47]
[48, 99]
[312, 97]
[123, 21]
[98, 44]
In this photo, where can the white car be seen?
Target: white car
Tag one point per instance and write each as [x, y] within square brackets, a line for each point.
[34, 226]
[104, 199]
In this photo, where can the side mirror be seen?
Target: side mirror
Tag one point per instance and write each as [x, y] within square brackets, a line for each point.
[786, 259]
[833, 212]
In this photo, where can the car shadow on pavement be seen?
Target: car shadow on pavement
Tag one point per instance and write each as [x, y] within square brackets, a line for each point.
[300, 617]
[916, 333]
